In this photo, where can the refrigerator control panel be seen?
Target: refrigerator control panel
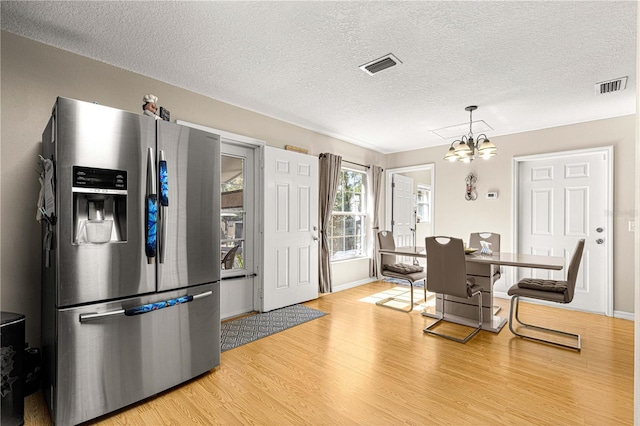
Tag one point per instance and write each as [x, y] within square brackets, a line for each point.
[99, 205]
[90, 177]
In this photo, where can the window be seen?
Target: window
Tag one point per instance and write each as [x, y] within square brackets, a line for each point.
[423, 204]
[347, 230]
[232, 212]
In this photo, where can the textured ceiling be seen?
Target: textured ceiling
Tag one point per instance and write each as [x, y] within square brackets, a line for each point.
[527, 65]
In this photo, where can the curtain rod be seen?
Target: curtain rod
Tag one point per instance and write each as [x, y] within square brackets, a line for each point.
[351, 162]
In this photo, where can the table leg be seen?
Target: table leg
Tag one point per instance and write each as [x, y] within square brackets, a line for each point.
[464, 311]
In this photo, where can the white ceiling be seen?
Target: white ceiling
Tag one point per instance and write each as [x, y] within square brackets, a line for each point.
[527, 65]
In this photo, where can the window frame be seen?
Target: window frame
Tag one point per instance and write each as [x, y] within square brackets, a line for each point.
[363, 214]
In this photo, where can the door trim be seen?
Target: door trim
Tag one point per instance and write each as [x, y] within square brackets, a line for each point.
[388, 212]
[608, 150]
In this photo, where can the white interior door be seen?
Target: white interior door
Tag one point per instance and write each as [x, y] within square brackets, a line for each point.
[403, 214]
[562, 199]
[290, 228]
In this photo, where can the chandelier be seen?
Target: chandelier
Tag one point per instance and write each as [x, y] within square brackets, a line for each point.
[468, 149]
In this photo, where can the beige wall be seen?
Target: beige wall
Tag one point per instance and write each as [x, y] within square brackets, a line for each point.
[33, 75]
[456, 216]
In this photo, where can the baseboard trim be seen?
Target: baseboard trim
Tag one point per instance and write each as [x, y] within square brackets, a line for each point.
[353, 284]
[235, 313]
[624, 315]
[616, 314]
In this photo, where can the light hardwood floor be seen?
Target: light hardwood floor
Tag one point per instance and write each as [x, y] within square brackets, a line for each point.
[365, 364]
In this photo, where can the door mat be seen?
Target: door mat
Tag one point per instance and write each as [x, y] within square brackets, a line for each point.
[247, 329]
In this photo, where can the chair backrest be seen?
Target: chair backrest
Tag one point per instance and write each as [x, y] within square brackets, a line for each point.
[386, 242]
[574, 267]
[229, 258]
[490, 237]
[477, 269]
[446, 266]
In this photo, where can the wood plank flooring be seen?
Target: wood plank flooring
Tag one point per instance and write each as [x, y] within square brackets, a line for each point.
[365, 364]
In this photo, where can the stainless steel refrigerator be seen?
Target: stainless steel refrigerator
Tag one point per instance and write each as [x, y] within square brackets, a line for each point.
[130, 261]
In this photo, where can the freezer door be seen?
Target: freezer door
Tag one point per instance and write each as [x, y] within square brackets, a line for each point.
[91, 141]
[189, 207]
[107, 360]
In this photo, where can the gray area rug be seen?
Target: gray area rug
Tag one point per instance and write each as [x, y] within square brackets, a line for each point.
[244, 330]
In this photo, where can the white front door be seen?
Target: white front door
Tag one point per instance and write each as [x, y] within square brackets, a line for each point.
[402, 210]
[561, 199]
[290, 228]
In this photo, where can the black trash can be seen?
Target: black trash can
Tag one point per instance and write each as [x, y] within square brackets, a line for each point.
[12, 330]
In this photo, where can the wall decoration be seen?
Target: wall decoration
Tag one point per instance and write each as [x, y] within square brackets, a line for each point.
[471, 194]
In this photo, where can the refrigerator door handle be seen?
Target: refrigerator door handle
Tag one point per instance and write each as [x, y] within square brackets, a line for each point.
[151, 202]
[143, 309]
[163, 175]
[202, 295]
[97, 316]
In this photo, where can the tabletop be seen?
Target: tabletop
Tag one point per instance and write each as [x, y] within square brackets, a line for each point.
[497, 258]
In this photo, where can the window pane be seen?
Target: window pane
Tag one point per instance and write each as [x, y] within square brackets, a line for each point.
[336, 228]
[353, 181]
[337, 205]
[355, 202]
[350, 243]
[231, 225]
[349, 225]
[337, 245]
[232, 215]
[360, 225]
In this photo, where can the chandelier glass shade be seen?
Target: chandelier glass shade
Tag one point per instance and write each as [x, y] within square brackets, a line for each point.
[468, 148]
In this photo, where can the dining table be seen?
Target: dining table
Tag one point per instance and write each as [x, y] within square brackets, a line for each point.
[463, 311]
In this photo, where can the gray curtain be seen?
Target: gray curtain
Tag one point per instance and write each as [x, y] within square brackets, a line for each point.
[374, 180]
[330, 165]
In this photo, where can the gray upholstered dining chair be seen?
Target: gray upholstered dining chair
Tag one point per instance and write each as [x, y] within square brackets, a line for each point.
[447, 275]
[549, 290]
[480, 272]
[389, 268]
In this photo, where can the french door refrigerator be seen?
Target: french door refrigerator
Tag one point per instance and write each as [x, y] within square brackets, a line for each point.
[131, 258]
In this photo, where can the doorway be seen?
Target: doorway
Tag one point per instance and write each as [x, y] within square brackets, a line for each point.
[409, 204]
[240, 219]
[237, 229]
[558, 199]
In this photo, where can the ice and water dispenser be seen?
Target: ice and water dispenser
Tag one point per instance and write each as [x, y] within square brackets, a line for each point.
[99, 205]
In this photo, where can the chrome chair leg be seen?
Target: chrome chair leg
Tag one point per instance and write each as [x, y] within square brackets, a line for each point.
[429, 329]
[513, 313]
[389, 299]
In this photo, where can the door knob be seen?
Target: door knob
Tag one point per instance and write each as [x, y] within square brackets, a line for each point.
[315, 238]
[599, 229]
[599, 241]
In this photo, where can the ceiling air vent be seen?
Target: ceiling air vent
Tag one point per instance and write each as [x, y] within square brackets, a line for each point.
[377, 65]
[611, 86]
